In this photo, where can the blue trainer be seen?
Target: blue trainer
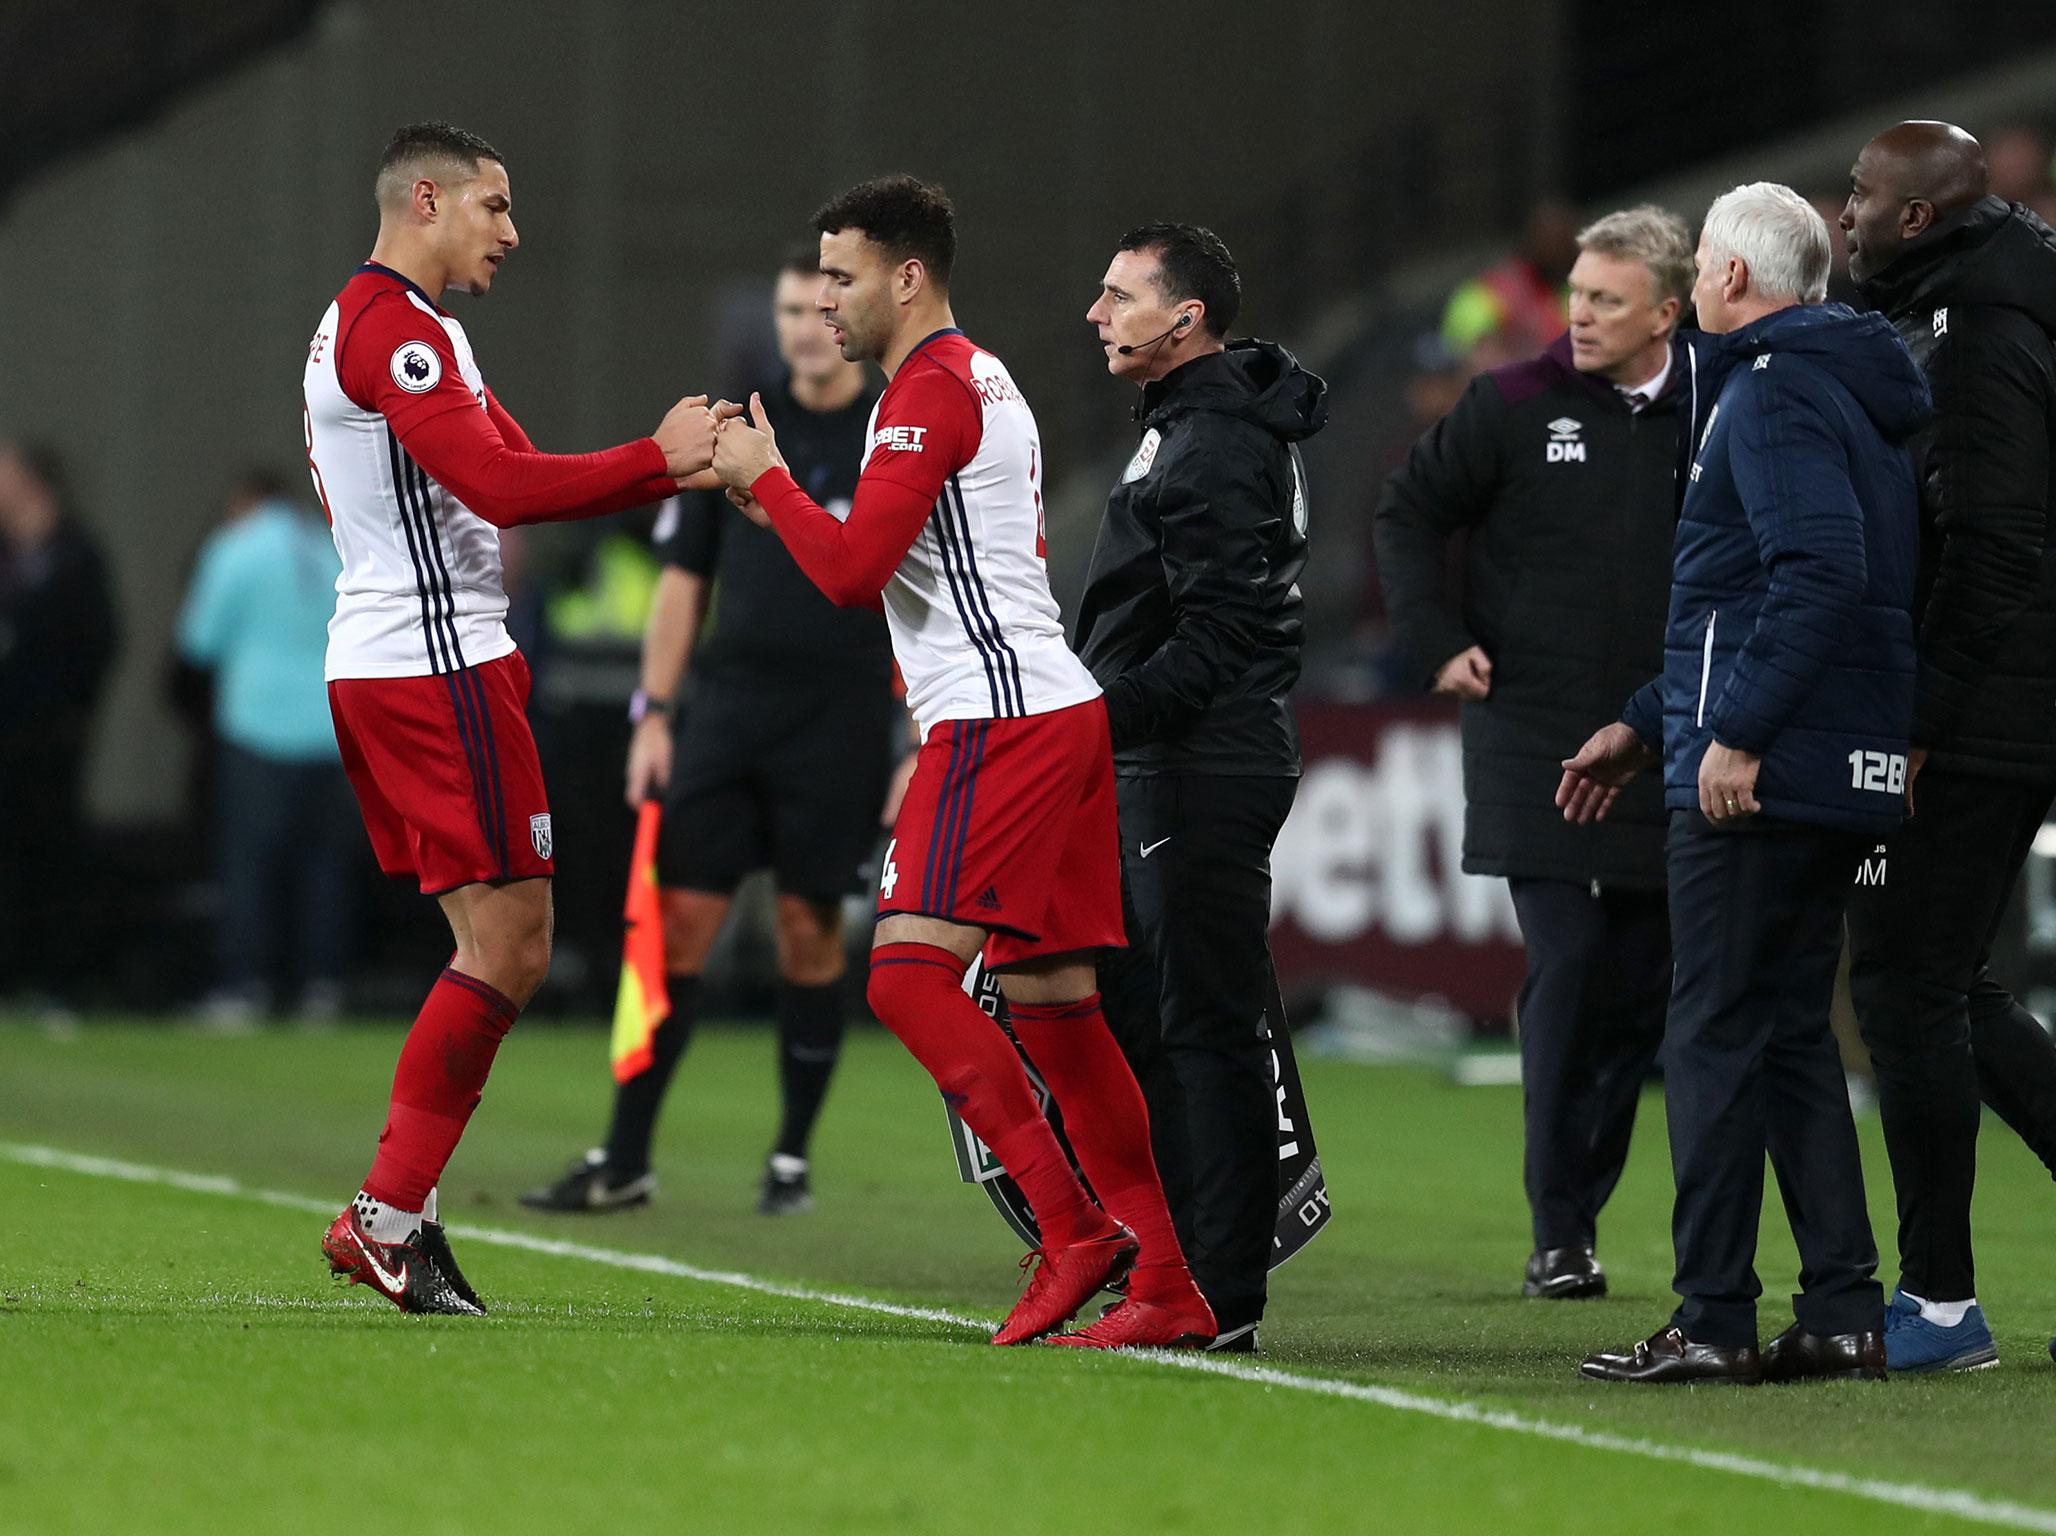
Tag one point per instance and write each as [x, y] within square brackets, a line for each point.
[1915, 1346]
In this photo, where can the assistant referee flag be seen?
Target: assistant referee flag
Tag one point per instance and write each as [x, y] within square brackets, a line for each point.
[643, 1002]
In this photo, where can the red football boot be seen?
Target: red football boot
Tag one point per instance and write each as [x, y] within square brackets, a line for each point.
[400, 1272]
[1062, 1281]
[1134, 1324]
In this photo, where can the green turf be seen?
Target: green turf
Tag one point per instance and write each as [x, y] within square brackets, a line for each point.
[177, 1361]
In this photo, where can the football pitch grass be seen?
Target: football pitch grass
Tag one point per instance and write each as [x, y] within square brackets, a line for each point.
[173, 1357]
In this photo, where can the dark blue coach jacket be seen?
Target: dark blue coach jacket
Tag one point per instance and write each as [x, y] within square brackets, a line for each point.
[1791, 631]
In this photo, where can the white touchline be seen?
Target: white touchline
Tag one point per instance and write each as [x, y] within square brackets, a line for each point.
[648, 1263]
[1942, 1501]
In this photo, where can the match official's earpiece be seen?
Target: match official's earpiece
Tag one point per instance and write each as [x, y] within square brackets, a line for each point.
[1178, 324]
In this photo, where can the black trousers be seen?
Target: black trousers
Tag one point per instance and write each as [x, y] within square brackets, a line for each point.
[1750, 1066]
[1186, 1001]
[1941, 1031]
[43, 861]
[1591, 1017]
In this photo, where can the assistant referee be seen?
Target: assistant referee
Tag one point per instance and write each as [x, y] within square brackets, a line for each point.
[1191, 621]
[776, 754]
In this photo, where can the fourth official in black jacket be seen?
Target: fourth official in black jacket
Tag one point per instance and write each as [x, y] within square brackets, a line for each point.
[1191, 622]
[1561, 472]
[1969, 282]
[1192, 618]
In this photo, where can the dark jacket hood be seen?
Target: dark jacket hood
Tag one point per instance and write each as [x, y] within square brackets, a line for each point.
[1862, 353]
[1258, 381]
[1994, 252]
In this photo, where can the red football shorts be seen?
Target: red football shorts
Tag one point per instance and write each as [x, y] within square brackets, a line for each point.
[446, 773]
[1009, 825]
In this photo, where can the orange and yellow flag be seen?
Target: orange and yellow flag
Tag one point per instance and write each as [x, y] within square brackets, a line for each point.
[643, 1001]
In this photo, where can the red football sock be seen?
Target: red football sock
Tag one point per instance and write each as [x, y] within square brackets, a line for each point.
[1107, 1121]
[436, 1086]
[917, 991]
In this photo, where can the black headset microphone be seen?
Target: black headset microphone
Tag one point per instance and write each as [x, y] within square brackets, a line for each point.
[1177, 325]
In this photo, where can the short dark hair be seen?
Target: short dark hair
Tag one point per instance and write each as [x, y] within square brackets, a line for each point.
[415, 143]
[1192, 263]
[801, 257]
[905, 216]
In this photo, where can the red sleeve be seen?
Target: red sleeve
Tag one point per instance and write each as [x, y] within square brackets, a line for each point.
[850, 562]
[929, 425]
[398, 362]
[509, 429]
[461, 452]
[659, 487]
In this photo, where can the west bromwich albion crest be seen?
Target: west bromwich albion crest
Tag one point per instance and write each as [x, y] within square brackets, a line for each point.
[539, 834]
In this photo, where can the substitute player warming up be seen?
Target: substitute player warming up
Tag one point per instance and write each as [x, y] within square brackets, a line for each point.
[418, 466]
[1006, 841]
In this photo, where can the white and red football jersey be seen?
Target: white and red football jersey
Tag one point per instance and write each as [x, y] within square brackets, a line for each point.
[418, 467]
[975, 628]
[420, 586]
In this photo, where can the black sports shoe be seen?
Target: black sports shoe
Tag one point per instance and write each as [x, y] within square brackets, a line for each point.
[590, 1185]
[434, 1246]
[400, 1272]
[784, 1193]
[1234, 1341]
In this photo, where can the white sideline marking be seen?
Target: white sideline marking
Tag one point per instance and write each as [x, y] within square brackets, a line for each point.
[1930, 1500]
[648, 1263]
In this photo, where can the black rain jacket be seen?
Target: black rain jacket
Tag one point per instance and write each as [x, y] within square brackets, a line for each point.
[1568, 500]
[1974, 299]
[1192, 620]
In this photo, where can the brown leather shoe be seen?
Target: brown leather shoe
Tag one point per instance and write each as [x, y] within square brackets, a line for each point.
[1669, 1356]
[1563, 1274]
[1796, 1355]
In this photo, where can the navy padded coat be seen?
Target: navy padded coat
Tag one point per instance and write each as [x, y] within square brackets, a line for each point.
[1791, 632]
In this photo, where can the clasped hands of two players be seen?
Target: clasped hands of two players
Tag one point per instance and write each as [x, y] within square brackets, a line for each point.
[711, 445]
[687, 435]
[1605, 764]
[743, 450]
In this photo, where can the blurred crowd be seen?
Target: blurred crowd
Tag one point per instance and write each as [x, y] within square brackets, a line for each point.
[58, 636]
